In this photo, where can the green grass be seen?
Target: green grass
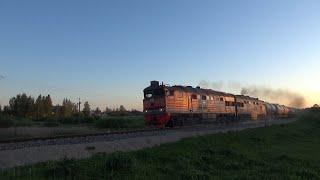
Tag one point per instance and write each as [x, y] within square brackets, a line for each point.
[5, 121]
[54, 127]
[8, 121]
[290, 151]
[111, 122]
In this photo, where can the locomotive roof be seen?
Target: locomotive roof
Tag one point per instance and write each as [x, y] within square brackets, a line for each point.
[199, 90]
[247, 97]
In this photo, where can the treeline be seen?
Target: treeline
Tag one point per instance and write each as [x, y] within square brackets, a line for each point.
[29, 107]
[42, 108]
[25, 106]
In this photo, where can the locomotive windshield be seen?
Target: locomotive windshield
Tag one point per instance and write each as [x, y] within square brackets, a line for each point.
[154, 93]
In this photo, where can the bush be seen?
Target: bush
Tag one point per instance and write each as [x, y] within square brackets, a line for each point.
[76, 120]
[9, 121]
[115, 123]
[22, 122]
[119, 122]
[6, 121]
[119, 113]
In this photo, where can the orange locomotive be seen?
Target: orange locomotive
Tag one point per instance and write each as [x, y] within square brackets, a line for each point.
[179, 105]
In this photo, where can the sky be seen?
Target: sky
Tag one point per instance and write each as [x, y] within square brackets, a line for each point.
[106, 52]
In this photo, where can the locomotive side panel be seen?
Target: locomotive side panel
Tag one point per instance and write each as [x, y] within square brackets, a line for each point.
[243, 107]
[262, 109]
[181, 103]
[249, 107]
[176, 101]
[252, 109]
[230, 105]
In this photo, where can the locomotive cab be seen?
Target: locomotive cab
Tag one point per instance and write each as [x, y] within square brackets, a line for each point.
[154, 104]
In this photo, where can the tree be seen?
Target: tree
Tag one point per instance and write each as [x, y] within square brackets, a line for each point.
[43, 106]
[67, 108]
[97, 111]
[86, 109]
[47, 106]
[122, 109]
[6, 110]
[39, 107]
[108, 110]
[22, 105]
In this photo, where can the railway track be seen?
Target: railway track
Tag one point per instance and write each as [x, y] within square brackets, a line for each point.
[20, 143]
[18, 140]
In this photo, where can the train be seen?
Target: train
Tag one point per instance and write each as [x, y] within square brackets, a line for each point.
[168, 106]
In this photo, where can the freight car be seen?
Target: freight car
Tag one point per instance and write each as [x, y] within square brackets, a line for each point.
[166, 105]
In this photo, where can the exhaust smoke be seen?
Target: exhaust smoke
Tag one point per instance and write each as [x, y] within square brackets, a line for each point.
[286, 97]
[211, 85]
[280, 96]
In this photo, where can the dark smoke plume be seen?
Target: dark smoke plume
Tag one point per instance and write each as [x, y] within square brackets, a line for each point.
[2, 77]
[278, 96]
[211, 85]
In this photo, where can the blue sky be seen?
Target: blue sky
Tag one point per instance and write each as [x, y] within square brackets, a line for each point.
[106, 52]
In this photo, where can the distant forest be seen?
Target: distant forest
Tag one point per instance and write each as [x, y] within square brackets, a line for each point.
[42, 108]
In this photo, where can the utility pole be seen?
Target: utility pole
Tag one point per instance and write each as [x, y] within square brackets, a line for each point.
[79, 105]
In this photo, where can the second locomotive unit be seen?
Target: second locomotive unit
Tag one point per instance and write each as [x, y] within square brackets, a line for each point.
[179, 105]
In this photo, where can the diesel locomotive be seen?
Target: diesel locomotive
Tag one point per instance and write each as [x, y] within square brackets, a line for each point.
[166, 105]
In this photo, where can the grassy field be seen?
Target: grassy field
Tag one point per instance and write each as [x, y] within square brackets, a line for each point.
[111, 122]
[288, 151]
[26, 128]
